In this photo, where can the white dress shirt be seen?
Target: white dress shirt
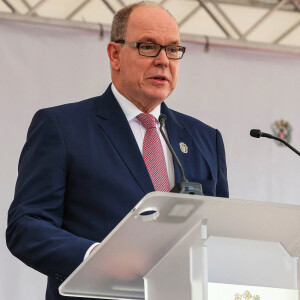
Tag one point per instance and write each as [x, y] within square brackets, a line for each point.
[138, 130]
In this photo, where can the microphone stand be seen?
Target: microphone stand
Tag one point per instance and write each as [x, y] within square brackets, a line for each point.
[257, 134]
[183, 187]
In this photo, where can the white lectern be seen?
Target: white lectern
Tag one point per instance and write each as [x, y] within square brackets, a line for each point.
[188, 247]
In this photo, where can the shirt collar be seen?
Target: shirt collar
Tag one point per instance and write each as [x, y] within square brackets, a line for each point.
[129, 109]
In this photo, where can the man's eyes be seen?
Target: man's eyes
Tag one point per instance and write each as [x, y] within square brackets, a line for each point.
[155, 46]
[148, 46]
[172, 49]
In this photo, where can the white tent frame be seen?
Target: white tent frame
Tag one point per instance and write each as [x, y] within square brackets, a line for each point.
[233, 35]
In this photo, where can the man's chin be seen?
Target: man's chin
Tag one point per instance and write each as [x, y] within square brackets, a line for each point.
[151, 101]
[159, 95]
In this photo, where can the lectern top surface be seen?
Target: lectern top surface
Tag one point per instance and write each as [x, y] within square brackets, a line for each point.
[116, 268]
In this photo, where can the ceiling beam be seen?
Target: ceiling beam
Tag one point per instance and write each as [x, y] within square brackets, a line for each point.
[109, 6]
[189, 15]
[296, 4]
[252, 3]
[9, 5]
[214, 18]
[264, 17]
[54, 22]
[122, 3]
[227, 19]
[78, 9]
[189, 38]
[239, 44]
[26, 4]
[287, 32]
[34, 8]
[293, 27]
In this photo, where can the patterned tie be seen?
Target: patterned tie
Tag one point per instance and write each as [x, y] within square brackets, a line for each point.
[153, 154]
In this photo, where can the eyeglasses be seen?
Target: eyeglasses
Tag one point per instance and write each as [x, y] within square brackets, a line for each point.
[153, 50]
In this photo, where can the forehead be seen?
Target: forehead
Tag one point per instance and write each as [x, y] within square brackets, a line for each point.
[152, 23]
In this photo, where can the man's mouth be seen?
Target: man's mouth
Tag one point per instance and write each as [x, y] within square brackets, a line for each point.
[161, 78]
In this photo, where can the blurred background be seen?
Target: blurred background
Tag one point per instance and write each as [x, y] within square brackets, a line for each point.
[241, 71]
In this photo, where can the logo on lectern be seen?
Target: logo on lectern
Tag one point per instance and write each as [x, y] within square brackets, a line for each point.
[246, 296]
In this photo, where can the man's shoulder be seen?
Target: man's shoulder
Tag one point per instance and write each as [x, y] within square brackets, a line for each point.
[79, 106]
[191, 122]
[79, 109]
[75, 115]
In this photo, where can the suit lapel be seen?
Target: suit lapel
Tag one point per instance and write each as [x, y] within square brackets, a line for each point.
[178, 134]
[114, 123]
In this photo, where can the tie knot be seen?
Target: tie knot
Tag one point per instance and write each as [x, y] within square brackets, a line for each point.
[147, 120]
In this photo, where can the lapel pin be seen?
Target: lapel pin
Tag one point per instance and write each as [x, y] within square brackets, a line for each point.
[183, 147]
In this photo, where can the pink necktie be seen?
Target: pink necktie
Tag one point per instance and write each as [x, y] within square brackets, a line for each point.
[153, 154]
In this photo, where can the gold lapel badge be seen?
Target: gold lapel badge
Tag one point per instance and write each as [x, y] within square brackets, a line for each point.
[183, 147]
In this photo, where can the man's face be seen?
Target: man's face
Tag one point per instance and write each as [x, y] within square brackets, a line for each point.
[138, 76]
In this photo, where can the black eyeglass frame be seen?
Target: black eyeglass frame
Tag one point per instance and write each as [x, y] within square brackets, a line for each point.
[138, 45]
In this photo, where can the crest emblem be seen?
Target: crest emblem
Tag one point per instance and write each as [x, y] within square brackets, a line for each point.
[282, 130]
[246, 296]
[183, 147]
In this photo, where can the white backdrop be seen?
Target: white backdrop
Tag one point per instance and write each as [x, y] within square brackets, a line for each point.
[232, 90]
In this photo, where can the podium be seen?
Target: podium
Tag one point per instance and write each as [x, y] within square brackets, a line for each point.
[188, 247]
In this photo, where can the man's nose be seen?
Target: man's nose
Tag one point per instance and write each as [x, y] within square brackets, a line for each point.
[161, 58]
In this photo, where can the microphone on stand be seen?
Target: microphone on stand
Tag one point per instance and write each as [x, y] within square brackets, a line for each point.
[183, 187]
[257, 134]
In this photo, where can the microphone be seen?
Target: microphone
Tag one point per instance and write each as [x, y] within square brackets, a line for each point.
[257, 134]
[183, 187]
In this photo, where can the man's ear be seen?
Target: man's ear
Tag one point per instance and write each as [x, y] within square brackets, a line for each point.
[113, 51]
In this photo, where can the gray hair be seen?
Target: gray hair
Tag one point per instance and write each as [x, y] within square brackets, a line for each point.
[119, 24]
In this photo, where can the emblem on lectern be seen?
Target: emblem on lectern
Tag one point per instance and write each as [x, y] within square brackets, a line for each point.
[238, 297]
[246, 296]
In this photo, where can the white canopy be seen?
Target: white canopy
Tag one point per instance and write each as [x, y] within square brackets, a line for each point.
[258, 24]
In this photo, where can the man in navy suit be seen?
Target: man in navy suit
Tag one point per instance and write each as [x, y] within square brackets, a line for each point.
[82, 170]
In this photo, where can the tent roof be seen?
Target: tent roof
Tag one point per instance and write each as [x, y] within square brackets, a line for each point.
[269, 24]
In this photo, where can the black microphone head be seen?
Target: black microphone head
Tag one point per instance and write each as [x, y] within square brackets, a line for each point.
[162, 119]
[255, 133]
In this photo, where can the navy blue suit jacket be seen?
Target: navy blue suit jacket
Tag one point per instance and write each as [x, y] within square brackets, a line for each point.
[81, 172]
